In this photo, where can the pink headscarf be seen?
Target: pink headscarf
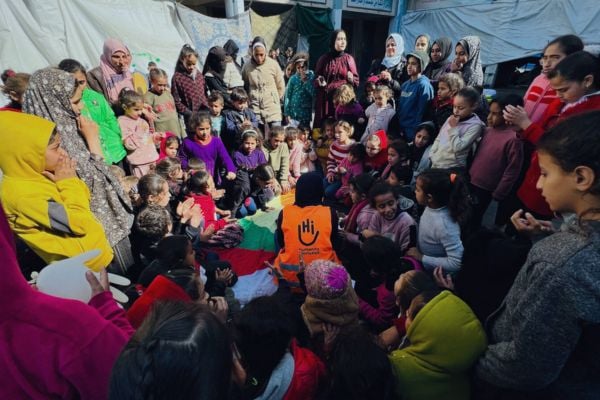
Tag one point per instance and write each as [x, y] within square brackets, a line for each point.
[114, 81]
[163, 145]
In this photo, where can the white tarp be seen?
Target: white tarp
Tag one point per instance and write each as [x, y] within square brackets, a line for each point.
[38, 33]
[508, 29]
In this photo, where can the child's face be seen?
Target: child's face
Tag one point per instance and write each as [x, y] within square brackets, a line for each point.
[556, 185]
[462, 108]
[369, 92]
[413, 67]
[340, 134]
[291, 141]
[420, 194]
[189, 63]
[134, 111]
[249, 145]
[355, 195]
[422, 138]
[393, 180]
[190, 256]
[215, 108]
[276, 140]
[203, 131]
[240, 105]
[495, 118]
[76, 103]
[53, 154]
[393, 156]
[352, 159]
[329, 132]
[303, 136]
[163, 197]
[461, 55]
[569, 91]
[444, 92]
[552, 56]
[421, 43]
[381, 99]
[178, 173]
[159, 85]
[373, 147]
[386, 205]
[171, 150]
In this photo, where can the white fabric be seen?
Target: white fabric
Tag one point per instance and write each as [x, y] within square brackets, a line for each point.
[38, 33]
[257, 284]
[509, 29]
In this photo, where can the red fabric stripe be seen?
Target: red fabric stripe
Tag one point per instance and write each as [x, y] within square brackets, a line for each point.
[244, 261]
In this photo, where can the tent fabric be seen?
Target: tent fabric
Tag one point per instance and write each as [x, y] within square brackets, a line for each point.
[315, 25]
[508, 29]
[279, 31]
[35, 34]
[207, 32]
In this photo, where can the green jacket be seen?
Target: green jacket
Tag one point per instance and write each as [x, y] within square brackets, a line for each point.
[98, 109]
[446, 339]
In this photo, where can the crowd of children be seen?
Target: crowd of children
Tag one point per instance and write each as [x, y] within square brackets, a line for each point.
[421, 258]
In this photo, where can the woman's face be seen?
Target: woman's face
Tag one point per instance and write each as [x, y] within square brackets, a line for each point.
[120, 61]
[259, 55]
[436, 53]
[570, 91]
[421, 43]
[76, 103]
[461, 55]
[390, 47]
[340, 42]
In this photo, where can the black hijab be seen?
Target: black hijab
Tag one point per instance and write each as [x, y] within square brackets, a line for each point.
[215, 61]
[309, 190]
[231, 48]
[332, 38]
[435, 69]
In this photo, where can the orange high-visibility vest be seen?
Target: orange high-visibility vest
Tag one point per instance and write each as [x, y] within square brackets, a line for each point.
[307, 237]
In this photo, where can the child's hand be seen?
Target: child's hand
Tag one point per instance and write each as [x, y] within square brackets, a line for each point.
[229, 220]
[87, 128]
[367, 233]
[285, 187]
[455, 66]
[321, 81]
[414, 253]
[453, 121]
[230, 176]
[217, 193]
[224, 275]
[385, 76]
[184, 209]
[342, 170]
[330, 177]
[224, 213]
[443, 281]
[98, 285]
[350, 77]
[528, 225]
[65, 169]
[516, 116]
[197, 216]
[219, 307]
[148, 113]
[207, 233]
[292, 181]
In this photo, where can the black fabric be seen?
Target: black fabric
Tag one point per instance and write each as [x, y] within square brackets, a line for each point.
[309, 190]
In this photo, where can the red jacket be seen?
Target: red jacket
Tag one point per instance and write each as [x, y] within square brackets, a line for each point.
[309, 371]
[556, 112]
[379, 161]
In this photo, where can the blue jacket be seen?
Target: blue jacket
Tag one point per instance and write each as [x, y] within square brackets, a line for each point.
[412, 104]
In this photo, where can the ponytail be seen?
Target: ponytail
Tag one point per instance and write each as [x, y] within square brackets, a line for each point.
[448, 190]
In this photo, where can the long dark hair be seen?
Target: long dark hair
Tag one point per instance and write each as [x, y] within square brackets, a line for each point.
[575, 67]
[185, 52]
[447, 189]
[181, 351]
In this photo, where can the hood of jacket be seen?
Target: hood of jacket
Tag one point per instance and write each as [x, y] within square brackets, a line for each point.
[28, 135]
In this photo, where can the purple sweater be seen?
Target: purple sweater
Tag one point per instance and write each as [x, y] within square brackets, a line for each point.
[402, 229]
[498, 162]
[209, 153]
[250, 161]
[382, 316]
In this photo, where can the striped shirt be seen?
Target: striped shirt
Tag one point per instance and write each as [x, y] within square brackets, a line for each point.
[337, 152]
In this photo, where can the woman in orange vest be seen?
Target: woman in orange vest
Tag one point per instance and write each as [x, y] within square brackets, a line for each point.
[306, 230]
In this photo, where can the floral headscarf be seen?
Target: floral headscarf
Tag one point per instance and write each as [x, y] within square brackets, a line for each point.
[49, 96]
[472, 72]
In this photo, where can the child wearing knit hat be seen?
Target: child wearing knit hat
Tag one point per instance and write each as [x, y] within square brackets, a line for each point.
[330, 297]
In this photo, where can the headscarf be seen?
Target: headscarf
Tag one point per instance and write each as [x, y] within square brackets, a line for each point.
[421, 56]
[163, 146]
[231, 48]
[435, 69]
[390, 62]
[49, 96]
[332, 38]
[215, 61]
[472, 73]
[114, 81]
[428, 41]
[309, 190]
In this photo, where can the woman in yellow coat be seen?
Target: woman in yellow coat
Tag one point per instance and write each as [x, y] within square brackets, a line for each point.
[46, 204]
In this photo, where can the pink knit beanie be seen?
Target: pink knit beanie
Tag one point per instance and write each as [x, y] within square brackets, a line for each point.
[325, 279]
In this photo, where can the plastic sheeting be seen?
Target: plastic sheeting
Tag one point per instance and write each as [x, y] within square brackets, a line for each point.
[35, 34]
[279, 31]
[508, 29]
